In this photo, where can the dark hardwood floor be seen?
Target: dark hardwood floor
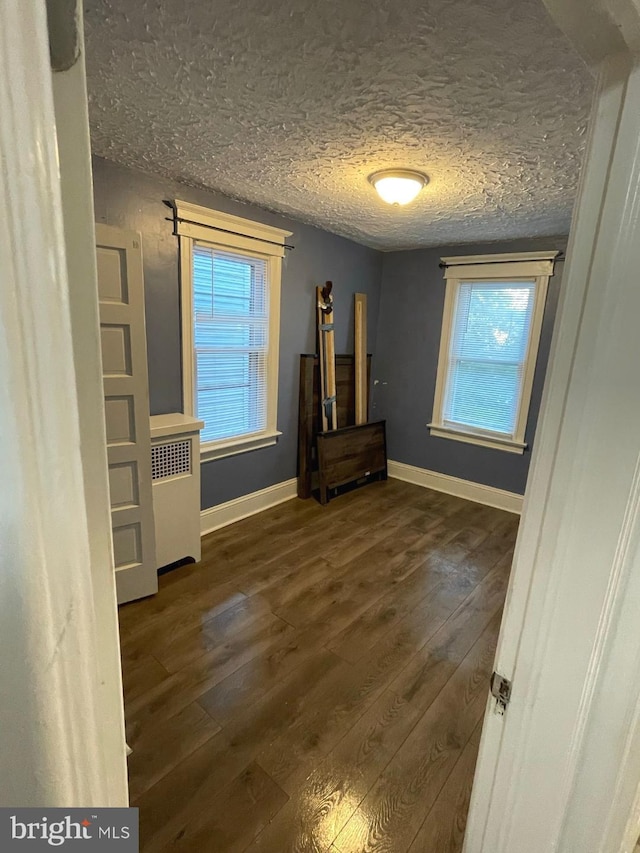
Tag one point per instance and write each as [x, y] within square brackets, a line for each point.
[317, 682]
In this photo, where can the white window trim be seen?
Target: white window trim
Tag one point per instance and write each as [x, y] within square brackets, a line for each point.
[195, 224]
[512, 267]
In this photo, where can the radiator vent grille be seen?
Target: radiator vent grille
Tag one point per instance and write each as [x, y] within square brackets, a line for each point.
[171, 459]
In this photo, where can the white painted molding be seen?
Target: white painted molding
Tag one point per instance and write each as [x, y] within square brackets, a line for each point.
[74, 154]
[455, 277]
[507, 445]
[249, 244]
[477, 492]
[490, 267]
[515, 257]
[227, 513]
[198, 223]
[232, 447]
[559, 770]
[61, 716]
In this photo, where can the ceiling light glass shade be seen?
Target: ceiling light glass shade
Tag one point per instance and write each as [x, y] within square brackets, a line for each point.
[398, 186]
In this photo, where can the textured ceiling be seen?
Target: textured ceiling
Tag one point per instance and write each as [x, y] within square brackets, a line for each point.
[291, 105]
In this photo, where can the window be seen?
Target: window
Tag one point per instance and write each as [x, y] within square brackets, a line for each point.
[231, 342]
[491, 329]
[230, 275]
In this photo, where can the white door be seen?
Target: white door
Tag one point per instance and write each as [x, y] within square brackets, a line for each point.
[559, 772]
[126, 400]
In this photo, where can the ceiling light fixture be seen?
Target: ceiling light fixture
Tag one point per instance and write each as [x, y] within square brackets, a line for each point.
[398, 186]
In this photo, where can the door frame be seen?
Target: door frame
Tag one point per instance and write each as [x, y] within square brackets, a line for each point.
[61, 714]
[76, 194]
[559, 770]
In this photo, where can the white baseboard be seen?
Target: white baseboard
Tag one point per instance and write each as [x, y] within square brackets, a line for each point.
[227, 513]
[220, 516]
[509, 501]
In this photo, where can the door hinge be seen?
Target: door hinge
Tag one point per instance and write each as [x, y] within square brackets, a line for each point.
[501, 690]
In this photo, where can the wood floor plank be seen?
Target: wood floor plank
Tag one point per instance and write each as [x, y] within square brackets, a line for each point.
[342, 698]
[242, 810]
[425, 499]
[389, 560]
[430, 668]
[295, 581]
[324, 802]
[490, 552]
[177, 649]
[281, 577]
[314, 695]
[198, 780]
[273, 551]
[444, 827]
[393, 811]
[158, 749]
[141, 673]
[372, 532]
[168, 612]
[260, 675]
[233, 559]
[354, 641]
[187, 685]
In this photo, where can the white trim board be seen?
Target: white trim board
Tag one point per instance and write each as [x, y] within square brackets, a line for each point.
[477, 492]
[59, 618]
[227, 513]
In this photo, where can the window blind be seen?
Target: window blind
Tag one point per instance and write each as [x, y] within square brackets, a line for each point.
[231, 339]
[487, 357]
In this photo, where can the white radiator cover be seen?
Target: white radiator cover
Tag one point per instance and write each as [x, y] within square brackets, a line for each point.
[175, 474]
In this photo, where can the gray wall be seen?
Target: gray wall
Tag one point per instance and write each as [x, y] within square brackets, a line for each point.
[411, 307]
[133, 200]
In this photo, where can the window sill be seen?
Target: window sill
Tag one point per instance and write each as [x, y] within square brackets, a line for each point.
[496, 443]
[234, 446]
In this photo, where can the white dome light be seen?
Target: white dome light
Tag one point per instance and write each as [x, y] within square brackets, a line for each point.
[398, 186]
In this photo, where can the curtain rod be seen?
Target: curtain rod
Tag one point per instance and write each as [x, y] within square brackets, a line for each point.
[177, 219]
[443, 265]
